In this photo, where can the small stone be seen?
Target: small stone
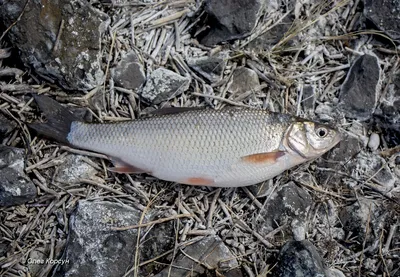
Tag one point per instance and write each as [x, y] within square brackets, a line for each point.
[359, 92]
[300, 259]
[243, 80]
[374, 141]
[210, 68]
[15, 187]
[93, 249]
[129, 72]
[384, 15]
[288, 205]
[6, 127]
[164, 84]
[75, 61]
[211, 251]
[73, 169]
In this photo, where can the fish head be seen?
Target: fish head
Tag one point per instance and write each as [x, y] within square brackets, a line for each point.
[310, 139]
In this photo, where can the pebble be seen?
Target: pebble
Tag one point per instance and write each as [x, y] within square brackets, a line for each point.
[374, 141]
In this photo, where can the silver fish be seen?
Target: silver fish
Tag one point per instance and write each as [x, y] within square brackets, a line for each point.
[232, 147]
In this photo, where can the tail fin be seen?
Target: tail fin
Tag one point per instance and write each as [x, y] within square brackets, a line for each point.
[59, 119]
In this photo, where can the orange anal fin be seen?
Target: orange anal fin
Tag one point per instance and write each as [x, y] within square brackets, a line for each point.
[122, 167]
[198, 181]
[261, 158]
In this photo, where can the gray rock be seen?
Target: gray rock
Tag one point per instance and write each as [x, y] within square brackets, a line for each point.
[6, 127]
[75, 62]
[164, 84]
[211, 251]
[359, 92]
[300, 259]
[36, 260]
[93, 249]
[15, 186]
[211, 67]
[231, 19]
[384, 15]
[73, 169]
[129, 72]
[346, 150]
[356, 217]
[243, 80]
[287, 205]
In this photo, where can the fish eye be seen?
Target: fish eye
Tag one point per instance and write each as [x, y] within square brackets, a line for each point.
[321, 132]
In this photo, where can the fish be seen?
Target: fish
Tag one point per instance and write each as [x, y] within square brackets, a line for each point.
[230, 147]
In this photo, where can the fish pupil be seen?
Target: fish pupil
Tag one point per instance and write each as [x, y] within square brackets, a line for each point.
[321, 132]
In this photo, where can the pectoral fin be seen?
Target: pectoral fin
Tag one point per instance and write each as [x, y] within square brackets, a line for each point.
[262, 158]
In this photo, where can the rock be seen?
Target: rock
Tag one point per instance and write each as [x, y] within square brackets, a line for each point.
[300, 259]
[75, 60]
[6, 127]
[230, 19]
[287, 205]
[243, 80]
[73, 169]
[164, 84]
[210, 67]
[364, 217]
[36, 255]
[387, 116]
[370, 165]
[384, 15]
[374, 141]
[93, 249]
[211, 251]
[346, 150]
[129, 72]
[359, 92]
[158, 240]
[15, 186]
